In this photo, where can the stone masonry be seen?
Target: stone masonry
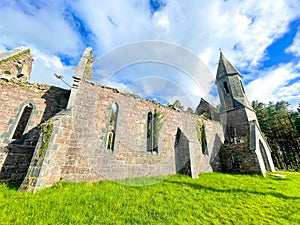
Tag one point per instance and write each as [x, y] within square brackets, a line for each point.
[68, 135]
[16, 64]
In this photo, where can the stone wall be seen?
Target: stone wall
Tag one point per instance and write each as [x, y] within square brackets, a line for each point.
[251, 155]
[60, 160]
[14, 96]
[207, 110]
[77, 148]
[16, 64]
[210, 162]
[67, 133]
[130, 157]
[236, 123]
[238, 158]
[15, 160]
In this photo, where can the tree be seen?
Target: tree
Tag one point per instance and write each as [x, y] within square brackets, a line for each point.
[279, 124]
[177, 104]
[296, 118]
[190, 110]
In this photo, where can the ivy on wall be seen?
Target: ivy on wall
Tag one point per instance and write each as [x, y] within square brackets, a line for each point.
[47, 129]
[158, 120]
[15, 57]
[154, 125]
[201, 135]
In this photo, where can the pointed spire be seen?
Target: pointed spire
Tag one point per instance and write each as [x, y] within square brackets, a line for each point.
[225, 67]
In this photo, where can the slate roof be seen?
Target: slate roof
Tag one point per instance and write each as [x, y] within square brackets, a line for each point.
[225, 67]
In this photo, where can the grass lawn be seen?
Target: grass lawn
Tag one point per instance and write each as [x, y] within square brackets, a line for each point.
[214, 198]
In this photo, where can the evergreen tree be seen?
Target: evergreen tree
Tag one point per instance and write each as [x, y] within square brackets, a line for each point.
[280, 125]
[190, 110]
[177, 104]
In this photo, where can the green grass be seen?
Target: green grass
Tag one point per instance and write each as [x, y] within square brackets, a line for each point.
[212, 199]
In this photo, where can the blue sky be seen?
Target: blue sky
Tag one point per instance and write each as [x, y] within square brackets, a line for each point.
[261, 38]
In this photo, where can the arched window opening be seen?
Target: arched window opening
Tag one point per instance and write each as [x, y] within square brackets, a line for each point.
[264, 156]
[226, 89]
[152, 132]
[242, 86]
[23, 121]
[203, 140]
[109, 142]
[112, 127]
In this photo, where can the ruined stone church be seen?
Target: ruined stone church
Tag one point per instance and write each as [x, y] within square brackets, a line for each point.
[92, 132]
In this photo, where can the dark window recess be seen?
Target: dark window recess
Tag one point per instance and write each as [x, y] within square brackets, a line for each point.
[23, 122]
[110, 140]
[152, 139]
[149, 132]
[112, 127]
[235, 161]
[203, 140]
[226, 89]
[264, 156]
[178, 134]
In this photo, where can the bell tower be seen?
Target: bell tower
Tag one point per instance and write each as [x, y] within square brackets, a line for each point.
[236, 111]
[230, 86]
[247, 151]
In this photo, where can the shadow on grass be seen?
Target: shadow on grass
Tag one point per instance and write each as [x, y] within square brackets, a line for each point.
[12, 185]
[235, 190]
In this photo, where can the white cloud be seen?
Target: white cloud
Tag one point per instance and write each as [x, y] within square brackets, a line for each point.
[2, 48]
[45, 27]
[273, 84]
[295, 47]
[44, 67]
[158, 79]
[243, 29]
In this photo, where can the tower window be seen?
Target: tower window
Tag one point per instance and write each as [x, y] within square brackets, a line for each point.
[22, 124]
[112, 127]
[226, 89]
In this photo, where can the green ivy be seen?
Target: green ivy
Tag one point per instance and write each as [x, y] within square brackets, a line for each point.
[198, 127]
[15, 57]
[154, 126]
[158, 119]
[47, 129]
[201, 135]
[88, 68]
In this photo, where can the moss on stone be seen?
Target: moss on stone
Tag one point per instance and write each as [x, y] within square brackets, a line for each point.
[47, 129]
[159, 119]
[88, 68]
[15, 57]
[201, 135]
[198, 128]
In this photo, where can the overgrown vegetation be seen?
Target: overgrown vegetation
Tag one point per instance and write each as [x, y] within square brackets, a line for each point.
[158, 123]
[16, 57]
[47, 129]
[154, 125]
[212, 199]
[281, 126]
[201, 135]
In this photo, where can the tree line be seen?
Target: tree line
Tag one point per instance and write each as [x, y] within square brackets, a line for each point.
[281, 127]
